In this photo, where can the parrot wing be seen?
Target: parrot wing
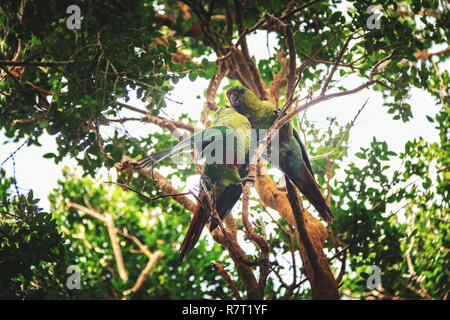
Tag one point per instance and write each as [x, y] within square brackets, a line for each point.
[224, 202]
[303, 178]
[304, 154]
[302, 147]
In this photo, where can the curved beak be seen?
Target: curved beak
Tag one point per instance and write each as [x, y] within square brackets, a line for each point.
[233, 96]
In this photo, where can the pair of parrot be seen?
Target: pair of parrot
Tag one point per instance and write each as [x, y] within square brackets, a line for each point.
[223, 181]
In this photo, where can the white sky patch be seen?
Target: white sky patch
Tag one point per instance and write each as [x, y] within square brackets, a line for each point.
[35, 172]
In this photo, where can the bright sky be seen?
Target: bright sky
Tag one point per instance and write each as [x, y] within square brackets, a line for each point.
[34, 172]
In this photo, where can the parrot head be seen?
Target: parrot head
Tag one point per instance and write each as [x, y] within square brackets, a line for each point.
[234, 94]
[242, 99]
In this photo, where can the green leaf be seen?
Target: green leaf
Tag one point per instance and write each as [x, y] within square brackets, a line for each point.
[49, 155]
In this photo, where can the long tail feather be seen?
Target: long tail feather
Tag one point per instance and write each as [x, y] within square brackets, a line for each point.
[308, 186]
[153, 158]
[198, 222]
[159, 156]
[201, 140]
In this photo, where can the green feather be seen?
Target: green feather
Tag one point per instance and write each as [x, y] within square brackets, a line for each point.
[224, 179]
[293, 159]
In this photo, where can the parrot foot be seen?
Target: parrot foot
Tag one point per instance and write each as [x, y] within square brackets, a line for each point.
[248, 178]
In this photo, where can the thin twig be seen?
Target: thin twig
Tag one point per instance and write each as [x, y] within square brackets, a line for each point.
[327, 154]
[125, 186]
[300, 8]
[35, 63]
[335, 65]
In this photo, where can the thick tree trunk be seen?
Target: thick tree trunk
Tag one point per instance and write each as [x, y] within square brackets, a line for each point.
[317, 268]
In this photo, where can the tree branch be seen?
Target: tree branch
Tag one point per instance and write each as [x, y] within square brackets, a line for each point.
[107, 219]
[159, 121]
[297, 9]
[264, 263]
[35, 63]
[335, 65]
[152, 259]
[228, 280]
[127, 165]
[323, 284]
[145, 273]
[109, 222]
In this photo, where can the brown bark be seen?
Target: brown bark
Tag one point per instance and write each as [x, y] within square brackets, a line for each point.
[241, 262]
[322, 281]
[152, 259]
[229, 281]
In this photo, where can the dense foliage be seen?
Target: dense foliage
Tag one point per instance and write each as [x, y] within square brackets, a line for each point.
[76, 83]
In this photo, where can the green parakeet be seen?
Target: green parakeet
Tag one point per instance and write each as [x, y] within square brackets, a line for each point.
[224, 147]
[293, 159]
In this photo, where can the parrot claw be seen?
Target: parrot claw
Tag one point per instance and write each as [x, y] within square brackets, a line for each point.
[248, 178]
